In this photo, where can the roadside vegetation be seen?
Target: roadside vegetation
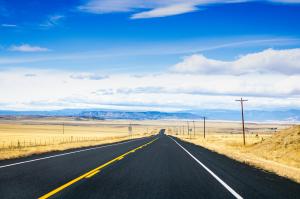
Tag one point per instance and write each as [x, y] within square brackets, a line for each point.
[273, 147]
[24, 137]
[278, 152]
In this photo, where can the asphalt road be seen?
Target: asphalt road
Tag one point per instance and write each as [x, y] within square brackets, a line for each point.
[156, 167]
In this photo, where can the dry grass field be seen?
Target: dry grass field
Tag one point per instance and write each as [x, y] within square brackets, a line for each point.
[277, 151]
[26, 136]
[269, 146]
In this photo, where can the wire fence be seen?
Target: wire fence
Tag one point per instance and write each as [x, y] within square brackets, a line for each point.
[19, 137]
[46, 141]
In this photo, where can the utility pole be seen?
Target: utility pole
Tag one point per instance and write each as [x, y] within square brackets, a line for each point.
[204, 126]
[194, 129]
[188, 125]
[130, 130]
[183, 129]
[243, 121]
[63, 128]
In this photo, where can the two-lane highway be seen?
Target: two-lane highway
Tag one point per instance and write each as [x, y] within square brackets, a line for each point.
[156, 167]
[34, 176]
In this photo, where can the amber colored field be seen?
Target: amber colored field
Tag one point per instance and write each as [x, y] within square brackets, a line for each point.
[267, 147]
[23, 137]
[276, 151]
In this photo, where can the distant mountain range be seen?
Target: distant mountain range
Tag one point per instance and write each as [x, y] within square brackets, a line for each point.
[291, 115]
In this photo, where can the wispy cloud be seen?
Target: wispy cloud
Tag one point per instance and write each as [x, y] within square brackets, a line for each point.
[286, 1]
[156, 8]
[267, 61]
[165, 11]
[177, 48]
[88, 76]
[9, 25]
[109, 6]
[146, 9]
[27, 48]
[52, 20]
[30, 75]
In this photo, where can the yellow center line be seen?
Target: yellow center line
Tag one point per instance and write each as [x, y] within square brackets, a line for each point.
[120, 158]
[92, 172]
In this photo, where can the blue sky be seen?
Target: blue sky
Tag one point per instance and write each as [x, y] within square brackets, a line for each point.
[158, 39]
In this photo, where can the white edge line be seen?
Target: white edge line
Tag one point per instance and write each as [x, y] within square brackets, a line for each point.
[68, 153]
[209, 171]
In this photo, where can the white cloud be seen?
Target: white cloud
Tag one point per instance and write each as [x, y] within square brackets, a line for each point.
[9, 25]
[165, 11]
[52, 21]
[29, 75]
[151, 8]
[286, 1]
[108, 6]
[267, 61]
[57, 90]
[88, 76]
[174, 48]
[27, 48]
[155, 8]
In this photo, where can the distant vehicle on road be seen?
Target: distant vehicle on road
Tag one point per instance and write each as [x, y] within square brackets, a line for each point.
[162, 131]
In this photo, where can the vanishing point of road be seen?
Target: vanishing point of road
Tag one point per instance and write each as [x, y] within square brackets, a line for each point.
[156, 167]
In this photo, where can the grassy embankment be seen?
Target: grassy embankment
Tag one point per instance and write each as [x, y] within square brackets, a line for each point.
[277, 152]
